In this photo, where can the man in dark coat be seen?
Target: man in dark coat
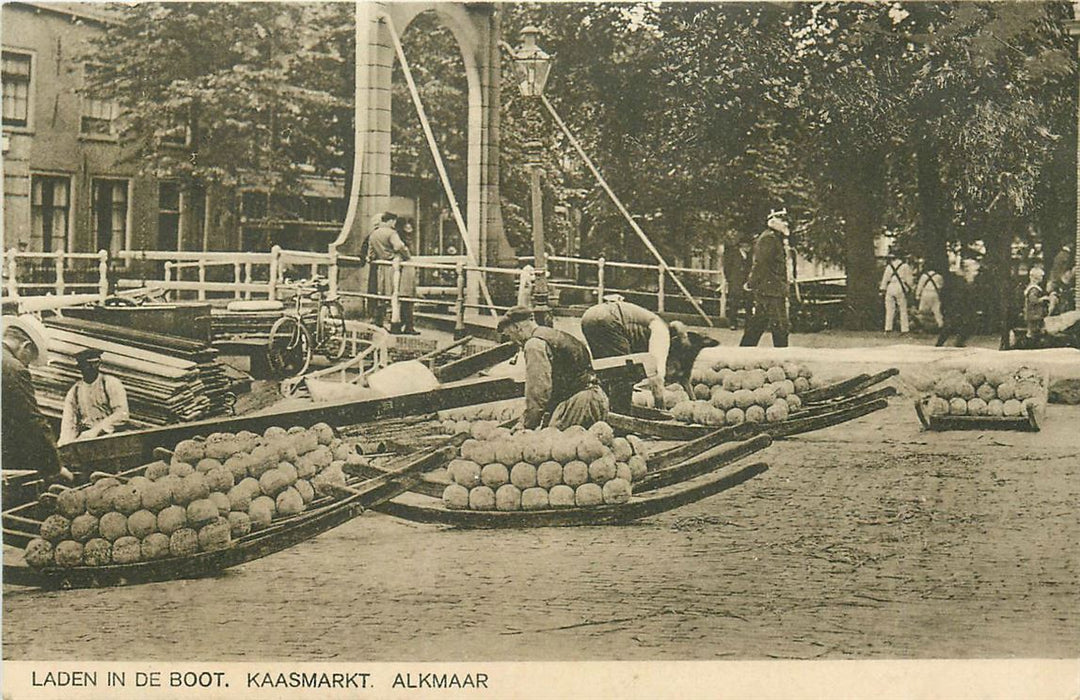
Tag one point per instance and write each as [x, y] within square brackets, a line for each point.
[27, 442]
[959, 304]
[737, 262]
[560, 386]
[616, 327]
[769, 284]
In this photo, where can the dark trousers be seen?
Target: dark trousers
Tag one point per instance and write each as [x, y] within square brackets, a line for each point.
[770, 313]
[960, 326]
[736, 302]
[606, 337]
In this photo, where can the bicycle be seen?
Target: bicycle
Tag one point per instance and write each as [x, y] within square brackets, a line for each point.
[297, 336]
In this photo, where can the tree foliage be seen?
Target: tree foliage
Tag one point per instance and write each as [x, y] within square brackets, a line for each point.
[219, 92]
[942, 123]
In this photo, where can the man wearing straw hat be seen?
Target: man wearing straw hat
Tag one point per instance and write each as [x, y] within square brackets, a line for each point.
[560, 386]
[27, 441]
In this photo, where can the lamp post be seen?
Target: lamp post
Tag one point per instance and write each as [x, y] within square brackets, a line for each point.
[533, 65]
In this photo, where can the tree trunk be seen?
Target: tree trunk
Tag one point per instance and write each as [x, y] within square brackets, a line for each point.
[861, 205]
[933, 217]
[996, 273]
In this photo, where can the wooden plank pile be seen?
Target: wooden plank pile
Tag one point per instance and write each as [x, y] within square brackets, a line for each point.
[249, 325]
[168, 379]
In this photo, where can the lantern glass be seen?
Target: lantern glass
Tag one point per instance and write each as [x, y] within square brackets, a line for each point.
[532, 64]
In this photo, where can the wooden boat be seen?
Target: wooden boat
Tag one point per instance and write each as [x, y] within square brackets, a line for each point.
[112, 453]
[1026, 423]
[21, 524]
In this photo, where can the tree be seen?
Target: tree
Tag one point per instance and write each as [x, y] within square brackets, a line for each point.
[220, 93]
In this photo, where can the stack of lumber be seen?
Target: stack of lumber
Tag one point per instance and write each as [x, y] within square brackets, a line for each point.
[168, 379]
[250, 325]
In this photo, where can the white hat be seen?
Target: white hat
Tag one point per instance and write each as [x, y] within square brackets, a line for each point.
[35, 331]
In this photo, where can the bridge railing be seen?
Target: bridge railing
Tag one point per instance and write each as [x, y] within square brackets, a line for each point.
[79, 276]
[643, 283]
[224, 275]
[207, 274]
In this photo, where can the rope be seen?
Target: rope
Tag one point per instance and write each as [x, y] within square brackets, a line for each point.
[437, 156]
[622, 210]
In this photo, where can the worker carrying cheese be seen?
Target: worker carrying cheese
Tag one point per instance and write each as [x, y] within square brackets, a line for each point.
[97, 404]
[617, 327]
[560, 386]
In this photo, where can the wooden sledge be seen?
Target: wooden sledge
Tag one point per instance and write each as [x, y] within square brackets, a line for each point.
[666, 467]
[420, 509]
[21, 525]
[1026, 423]
[815, 418]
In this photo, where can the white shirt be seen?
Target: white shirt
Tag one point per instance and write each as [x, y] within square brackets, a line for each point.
[101, 404]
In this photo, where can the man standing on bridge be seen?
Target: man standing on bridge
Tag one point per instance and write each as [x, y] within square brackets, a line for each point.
[768, 282]
[560, 386]
[617, 327]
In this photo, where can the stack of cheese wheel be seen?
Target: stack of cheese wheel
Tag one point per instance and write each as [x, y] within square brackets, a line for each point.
[466, 418]
[977, 390]
[549, 468]
[731, 393]
[212, 491]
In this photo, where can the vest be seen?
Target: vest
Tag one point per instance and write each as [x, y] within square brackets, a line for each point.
[571, 364]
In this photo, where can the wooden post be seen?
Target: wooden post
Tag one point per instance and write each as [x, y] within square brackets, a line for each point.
[236, 280]
[13, 273]
[60, 275]
[103, 275]
[247, 279]
[600, 280]
[202, 279]
[332, 270]
[526, 280]
[660, 288]
[395, 293]
[459, 310]
[275, 265]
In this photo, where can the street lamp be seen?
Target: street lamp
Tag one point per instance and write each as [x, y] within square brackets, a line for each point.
[533, 65]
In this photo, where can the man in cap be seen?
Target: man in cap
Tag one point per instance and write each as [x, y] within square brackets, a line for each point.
[384, 245]
[27, 441]
[97, 404]
[768, 282]
[617, 327]
[560, 387]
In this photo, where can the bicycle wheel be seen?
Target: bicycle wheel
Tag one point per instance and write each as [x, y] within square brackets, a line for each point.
[332, 322]
[289, 347]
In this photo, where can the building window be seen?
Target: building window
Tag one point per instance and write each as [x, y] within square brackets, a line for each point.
[110, 214]
[169, 216]
[16, 88]
[98, 115]
[50, 198]
[178, 131]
